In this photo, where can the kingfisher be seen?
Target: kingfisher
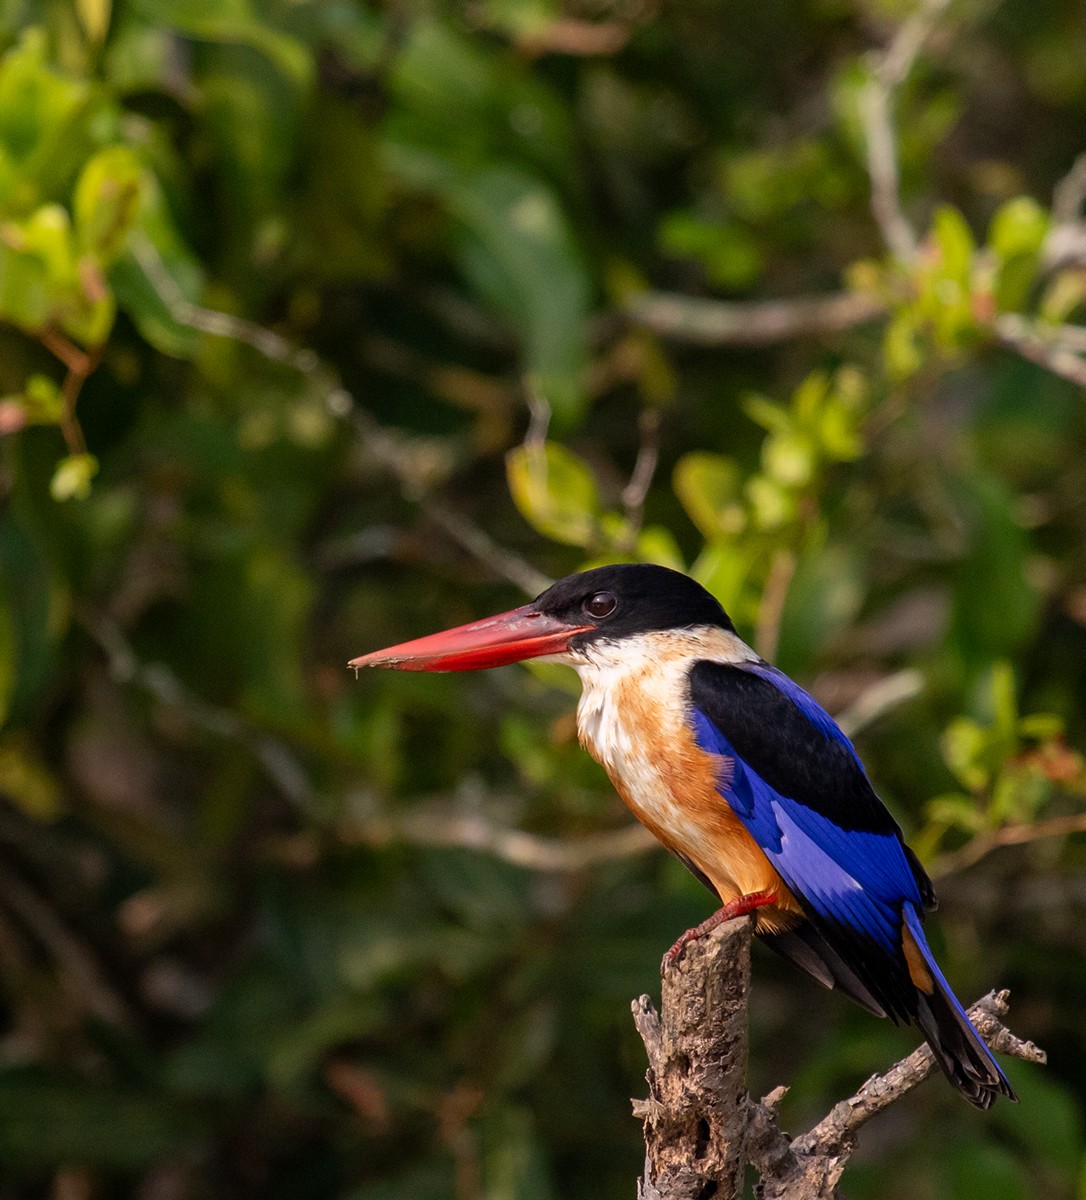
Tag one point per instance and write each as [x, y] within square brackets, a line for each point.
[746, 779]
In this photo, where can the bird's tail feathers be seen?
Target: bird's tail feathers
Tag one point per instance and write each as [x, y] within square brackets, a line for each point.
[963, 1057]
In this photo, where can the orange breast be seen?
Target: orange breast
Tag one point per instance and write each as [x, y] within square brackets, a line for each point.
[646, 744]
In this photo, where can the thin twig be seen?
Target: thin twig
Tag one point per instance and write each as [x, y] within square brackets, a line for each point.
[78, 964]
[702, 322]
[342, 405]
[1069, 194]
[428, 826]
[211, 321]
[278, 761]
[768, 629]
[880, 698]
[1056, 348]
[983, 844]
[810, 1166]
[840, 1127]
[481, 546]
[79, 365]
[636, 491]
[888, 71]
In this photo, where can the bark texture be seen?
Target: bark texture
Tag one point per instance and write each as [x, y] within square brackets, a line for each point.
[702, 1129]
[696, 1115]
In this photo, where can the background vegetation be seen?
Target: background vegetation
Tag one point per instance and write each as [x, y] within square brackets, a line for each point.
[327, 324]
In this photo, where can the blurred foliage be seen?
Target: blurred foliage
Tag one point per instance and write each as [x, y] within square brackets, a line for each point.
[318, 330]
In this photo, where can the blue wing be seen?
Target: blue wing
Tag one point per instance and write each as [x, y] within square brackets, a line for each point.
[794, 780]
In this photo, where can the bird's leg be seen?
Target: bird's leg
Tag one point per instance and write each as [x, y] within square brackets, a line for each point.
[738, 907]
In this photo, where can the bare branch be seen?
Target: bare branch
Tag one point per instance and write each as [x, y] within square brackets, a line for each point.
[702, 322]
[697, 1050]
[1058, 348]
[700, 1128]
[277, 760]
[771, 610]
[95, 991]
[880, 698]
[1010, 835]
[810, 1166]
[838, 1130]
[428, 825]
[1069, 194]
[648, 455]
[211, 321]
[341, 404]
[889, 70]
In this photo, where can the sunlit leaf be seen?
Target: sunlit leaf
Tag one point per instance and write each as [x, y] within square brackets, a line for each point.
[555, 491]
[72, 477]
[709, 487]
[106, 202]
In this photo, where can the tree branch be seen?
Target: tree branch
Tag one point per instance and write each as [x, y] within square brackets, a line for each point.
[1008, 835]
[433, 825]
[695, 1116]
[1058, 348]
[701, 1129]
[698, 321]
[889, 70]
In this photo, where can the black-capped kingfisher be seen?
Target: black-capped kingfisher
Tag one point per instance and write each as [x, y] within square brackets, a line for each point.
[745, 778]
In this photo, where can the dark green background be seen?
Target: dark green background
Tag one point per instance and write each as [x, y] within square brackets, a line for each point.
[343, 251]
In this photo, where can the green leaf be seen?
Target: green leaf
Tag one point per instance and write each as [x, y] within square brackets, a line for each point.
[72, 477]
[955, 811]
[94, 17]
[513, 1164]
[46, 126]
[725, 570]
[823, 598]
[901, 345]
[237, 22]
[1018, 227]
[708, 485]
[42, 401]
[519, 252]
[106, 202]
[773, 505]
[655, 544]
[771, 416]
[728, 252]
[789, 459]
[1016, 237]
[996, 605]
[555, 492]
[158, 280]
[1041, 726]
[1048, 1121]
[964, 745]
[980, 1170]
[956, 244]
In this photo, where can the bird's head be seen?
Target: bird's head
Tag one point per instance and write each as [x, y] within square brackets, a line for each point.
[607, 604]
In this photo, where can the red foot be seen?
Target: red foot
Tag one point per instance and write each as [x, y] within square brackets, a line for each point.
[738, 907]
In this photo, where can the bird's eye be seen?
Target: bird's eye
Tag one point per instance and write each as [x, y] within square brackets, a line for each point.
[602, 604]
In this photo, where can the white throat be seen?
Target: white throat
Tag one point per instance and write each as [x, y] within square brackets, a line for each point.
[626, 680]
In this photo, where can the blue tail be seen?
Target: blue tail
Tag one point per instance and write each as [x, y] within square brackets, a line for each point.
[964, 1058]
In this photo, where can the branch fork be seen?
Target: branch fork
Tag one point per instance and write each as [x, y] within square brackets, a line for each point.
[701, 1127]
